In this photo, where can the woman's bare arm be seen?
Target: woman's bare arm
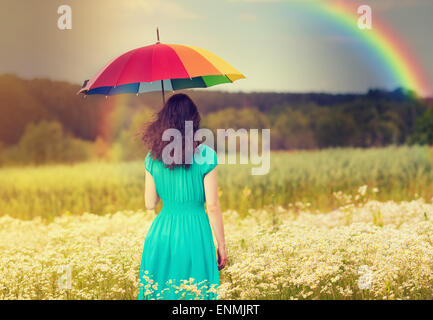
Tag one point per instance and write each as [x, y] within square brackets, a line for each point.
[151, 198]
[215, 215]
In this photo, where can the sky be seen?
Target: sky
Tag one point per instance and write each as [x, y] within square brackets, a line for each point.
[278, 45]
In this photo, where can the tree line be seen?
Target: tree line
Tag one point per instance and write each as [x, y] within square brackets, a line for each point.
[44, 121]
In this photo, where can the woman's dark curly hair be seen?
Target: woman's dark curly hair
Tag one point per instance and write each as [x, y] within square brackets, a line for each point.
[178, 109]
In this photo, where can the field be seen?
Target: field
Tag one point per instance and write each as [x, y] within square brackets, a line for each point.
[367, 250]
[331, 224]
[400, 173]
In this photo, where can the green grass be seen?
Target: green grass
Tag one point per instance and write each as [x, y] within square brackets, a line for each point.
[48, 191]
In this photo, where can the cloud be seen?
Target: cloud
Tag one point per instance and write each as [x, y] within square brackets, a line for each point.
[247, 17]
[339, 39]
[392, 4]
[255, 1]
[378, 4]
[165, 8]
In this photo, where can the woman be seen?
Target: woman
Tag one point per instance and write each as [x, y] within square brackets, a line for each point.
[179, 245]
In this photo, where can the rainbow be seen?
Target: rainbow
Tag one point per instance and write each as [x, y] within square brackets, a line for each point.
[396, 56]
[109, 122]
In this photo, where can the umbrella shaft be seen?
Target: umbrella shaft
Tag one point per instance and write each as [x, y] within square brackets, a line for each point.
[162, 90]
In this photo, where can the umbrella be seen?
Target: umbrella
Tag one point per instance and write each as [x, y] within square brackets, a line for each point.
[161, 66]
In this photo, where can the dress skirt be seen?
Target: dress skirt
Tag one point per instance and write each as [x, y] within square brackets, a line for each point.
[179, 259]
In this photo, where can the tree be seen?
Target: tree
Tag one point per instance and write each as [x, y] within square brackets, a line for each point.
[333, 128]
[292, 130]
[423, 129]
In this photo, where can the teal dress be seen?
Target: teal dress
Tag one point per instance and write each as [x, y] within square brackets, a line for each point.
[179, 259]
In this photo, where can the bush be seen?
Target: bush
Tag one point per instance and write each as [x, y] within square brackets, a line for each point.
[46, 142]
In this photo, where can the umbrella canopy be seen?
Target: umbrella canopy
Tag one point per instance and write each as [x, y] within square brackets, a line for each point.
[162, 67]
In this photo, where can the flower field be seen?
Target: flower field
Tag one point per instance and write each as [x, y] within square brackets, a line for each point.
[329, 224]
[364, 249]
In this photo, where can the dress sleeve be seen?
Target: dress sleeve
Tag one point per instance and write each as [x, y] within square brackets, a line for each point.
[211, 160]
[148, 163]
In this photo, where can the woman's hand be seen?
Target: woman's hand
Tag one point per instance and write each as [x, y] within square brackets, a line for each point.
[222, 258]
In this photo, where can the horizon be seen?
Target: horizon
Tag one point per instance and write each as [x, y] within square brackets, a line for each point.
[214, 89]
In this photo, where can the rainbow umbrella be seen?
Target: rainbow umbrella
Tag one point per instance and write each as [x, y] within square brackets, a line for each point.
[161, 66]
